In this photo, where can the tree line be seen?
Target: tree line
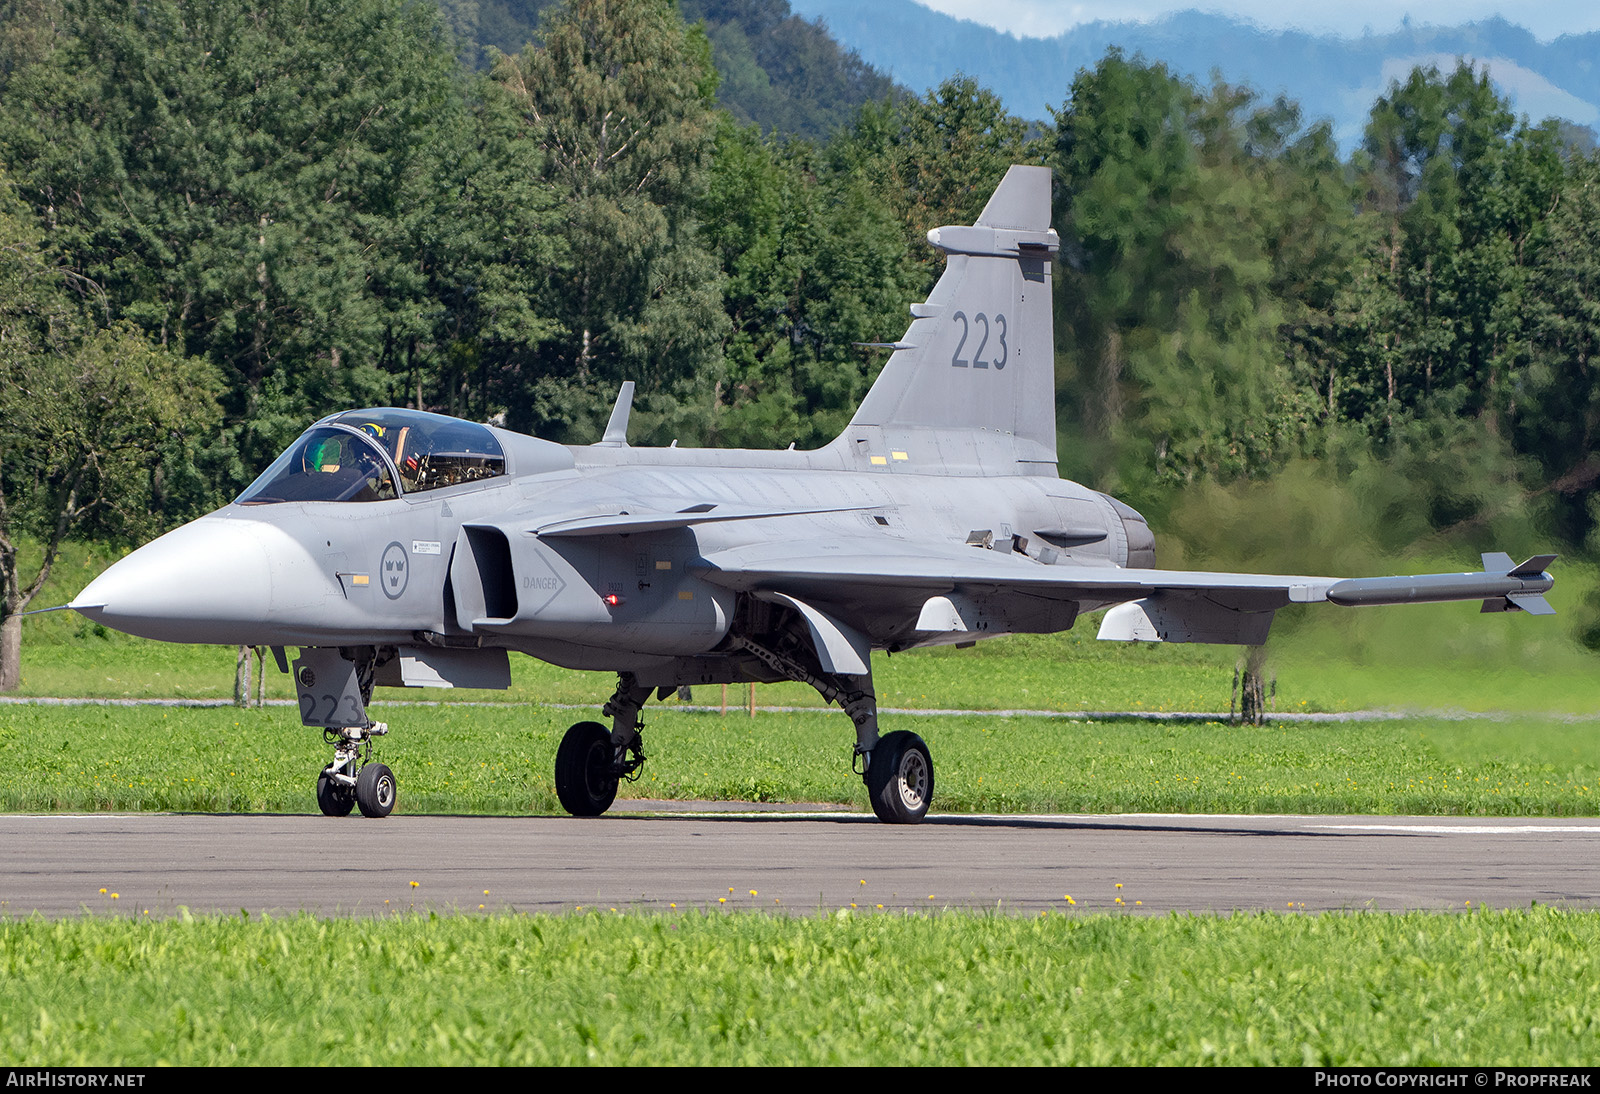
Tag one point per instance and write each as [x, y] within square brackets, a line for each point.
[280, 208]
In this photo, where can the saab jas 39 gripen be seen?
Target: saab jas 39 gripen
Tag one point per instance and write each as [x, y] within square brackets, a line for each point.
[403, 549]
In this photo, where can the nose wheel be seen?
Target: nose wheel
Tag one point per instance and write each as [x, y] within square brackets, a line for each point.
[352, 781]
[333, 798]
[375, 791]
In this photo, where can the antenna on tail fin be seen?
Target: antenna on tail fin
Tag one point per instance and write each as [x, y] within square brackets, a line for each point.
[970, 388]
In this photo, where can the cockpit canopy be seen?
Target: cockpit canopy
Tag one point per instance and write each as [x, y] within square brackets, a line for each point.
[363, 455]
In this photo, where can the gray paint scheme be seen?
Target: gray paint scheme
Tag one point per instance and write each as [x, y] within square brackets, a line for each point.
[936, 517]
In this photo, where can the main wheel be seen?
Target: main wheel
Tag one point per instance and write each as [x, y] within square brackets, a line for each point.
[900, 778]
[586, 770]
[375, 791]
[333, 798]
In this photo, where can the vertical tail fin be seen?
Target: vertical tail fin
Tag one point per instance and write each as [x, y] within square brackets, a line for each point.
[970, 389]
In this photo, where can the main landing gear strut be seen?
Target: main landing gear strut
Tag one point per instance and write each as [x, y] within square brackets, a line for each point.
[591, 762]
[897, 767]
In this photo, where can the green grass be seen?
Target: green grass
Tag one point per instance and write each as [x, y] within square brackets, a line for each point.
[498, 760]
[703, 988]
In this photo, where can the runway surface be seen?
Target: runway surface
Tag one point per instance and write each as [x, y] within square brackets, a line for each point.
[796, 862]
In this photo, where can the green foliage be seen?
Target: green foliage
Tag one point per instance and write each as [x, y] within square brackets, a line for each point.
[815, 262]
[82, 428]
[1451, 332]
[1558, 421]
[775, 71]
[240, 179]
[1463, 198]
[484, 255]
[91, 418]
[781, 73]
[618, 98]
[936, 159]
[1192, 279]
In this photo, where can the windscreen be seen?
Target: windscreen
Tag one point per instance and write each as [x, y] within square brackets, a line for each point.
[325, 464]
[431, 451]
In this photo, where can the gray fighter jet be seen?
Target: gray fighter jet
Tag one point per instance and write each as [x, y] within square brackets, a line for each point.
[404, 549]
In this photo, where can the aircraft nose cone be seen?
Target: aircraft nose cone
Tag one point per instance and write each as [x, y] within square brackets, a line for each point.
[204, 582]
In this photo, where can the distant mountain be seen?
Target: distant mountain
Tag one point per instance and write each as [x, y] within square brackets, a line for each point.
[1336, 78]
[778, 71]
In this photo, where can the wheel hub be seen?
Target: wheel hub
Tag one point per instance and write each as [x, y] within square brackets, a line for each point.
[913, 780]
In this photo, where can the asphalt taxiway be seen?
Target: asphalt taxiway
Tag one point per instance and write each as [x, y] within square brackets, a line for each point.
[798, 862]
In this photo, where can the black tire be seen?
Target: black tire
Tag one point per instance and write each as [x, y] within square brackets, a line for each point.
[586, 770]
[333, 799]
[900, 778]
[375, 791]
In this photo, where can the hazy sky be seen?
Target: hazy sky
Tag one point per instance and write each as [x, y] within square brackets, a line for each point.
[1547, 19]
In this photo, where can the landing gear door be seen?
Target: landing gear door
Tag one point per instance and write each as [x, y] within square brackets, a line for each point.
[330, 694]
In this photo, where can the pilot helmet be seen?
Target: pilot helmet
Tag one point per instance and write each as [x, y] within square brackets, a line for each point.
[324, 451]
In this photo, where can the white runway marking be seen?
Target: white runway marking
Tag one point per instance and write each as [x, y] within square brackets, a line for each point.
[1470, 829]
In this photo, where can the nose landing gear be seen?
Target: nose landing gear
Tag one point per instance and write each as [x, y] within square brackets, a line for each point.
[352, 781]
[334, 691]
